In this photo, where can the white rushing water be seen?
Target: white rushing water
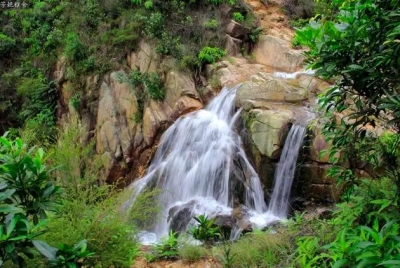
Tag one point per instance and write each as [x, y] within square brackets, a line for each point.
[293, 75]
[285, 170]
[200, 166]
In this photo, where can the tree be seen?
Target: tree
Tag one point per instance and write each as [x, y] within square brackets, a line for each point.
[359, 49]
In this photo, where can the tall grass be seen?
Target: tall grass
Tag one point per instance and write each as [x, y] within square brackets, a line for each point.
[90, 208]
[259, 249]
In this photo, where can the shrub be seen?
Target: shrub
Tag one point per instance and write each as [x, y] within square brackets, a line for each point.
[211, 24]
[210, 54]
[26, 193]
[167, 248]
[206, 230]
[153, 25]
[39, 96]
[154, 86]
[6, 44]
[237, 16]
[218, 2]
[74, 49]
[169, 45]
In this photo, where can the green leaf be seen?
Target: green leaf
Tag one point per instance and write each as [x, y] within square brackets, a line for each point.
[339, 263]
[391, 262]
[44, 248]
[11, 225]
[7, 194]
[10, 247]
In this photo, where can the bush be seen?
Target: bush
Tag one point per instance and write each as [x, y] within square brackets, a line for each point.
[237, 16]
[211, 24]
[6, 44]
[74, 49]
[206, 230]
[166, 249]
[26, 193]
[210, 54]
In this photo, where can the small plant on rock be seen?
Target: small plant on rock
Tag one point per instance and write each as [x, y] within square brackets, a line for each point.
[237, 16]
[210, 54]
[206, 230]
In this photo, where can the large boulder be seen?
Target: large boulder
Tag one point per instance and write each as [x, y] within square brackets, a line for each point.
[266, 87]
[232, 45]
[274, 52]
[236, 30]
[231, 72]
[267, 129]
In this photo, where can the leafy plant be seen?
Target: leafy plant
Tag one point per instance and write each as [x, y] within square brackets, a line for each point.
[306, 252]
[71, 256]
[366, 247]
[228, 259]
[74, 49]
[26, 193]
[168, 248]
[367, 78]
[6, 44]
[210, 54]
[237, 16]
[206, 230]
[211, 24]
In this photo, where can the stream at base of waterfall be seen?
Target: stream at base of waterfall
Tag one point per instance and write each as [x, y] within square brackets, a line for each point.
[200, 167]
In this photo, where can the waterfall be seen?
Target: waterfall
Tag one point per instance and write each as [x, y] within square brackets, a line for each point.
[284, 173]
[200, 166]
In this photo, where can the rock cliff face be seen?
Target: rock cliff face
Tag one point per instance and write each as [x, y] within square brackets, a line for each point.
[127, 139]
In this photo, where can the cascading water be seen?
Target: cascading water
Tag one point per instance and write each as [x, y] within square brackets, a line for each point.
[200, 166]
[284, 173]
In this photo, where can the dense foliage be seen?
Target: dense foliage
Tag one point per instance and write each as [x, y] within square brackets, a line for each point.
[357, 47]
[93, 39]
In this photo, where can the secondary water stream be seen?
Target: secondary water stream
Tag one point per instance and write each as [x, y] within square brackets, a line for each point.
[285, 170]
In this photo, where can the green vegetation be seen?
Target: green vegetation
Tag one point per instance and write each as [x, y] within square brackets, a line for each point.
[237, 16]
[73, 209]
[364, 68]
[67, 216]
[192, 253]
[167, 248]
[206, 230]
[211, 24]
[47, 33]
[210, 54]
[68, 256]
[26, 193]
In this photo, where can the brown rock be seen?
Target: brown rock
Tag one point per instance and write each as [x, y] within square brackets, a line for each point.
[232, 45]
[236, 30]
[275, 52]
